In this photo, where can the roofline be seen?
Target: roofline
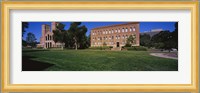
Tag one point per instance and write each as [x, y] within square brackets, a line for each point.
[115, 25]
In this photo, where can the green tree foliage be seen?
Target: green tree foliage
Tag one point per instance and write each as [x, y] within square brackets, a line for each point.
[74, 37]
[131, 40]
[31, 39]
[69, 42]
[83, 42]
[24, 26]
[127, 45]
[166, 40]
[104, 44]
[163, 40]
[59, 34]
[175, 36]
[88, 41]
[145, 40]
[78, 34]
[24, 43]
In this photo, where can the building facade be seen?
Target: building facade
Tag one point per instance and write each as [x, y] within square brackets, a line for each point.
[115, 35]
[46, 40]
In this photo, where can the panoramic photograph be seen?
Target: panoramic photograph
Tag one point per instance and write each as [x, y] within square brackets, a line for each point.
[100, 46]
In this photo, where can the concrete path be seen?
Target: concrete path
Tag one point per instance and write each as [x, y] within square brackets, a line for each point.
[163, 55]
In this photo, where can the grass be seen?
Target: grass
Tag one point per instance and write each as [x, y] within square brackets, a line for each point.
[90, 60]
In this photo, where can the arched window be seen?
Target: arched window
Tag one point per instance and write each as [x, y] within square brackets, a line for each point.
[126, 30]
[122, 29]
[48, 36]
[131, 29]
[46, 45]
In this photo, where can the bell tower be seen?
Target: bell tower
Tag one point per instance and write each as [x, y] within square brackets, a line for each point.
[53, 26]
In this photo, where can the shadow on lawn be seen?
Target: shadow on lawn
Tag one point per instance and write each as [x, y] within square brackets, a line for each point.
[32, 65]
[32, 50]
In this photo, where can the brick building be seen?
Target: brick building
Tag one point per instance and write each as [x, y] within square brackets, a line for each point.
[114, 35]
[46, 40]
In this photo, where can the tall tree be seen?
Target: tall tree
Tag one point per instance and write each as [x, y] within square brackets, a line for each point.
[175, 36]
[88, 40]
[24, 43]
[83, 43]
[59, 34]
[69, 42]
[31, 39]
[24, 26]
[145, 40]
[131, 40]
[163, 40]
[78, 33]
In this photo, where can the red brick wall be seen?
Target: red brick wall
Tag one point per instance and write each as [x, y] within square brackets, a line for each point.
[99, 35]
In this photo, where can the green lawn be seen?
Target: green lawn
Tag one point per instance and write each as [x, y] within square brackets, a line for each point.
[88, 60]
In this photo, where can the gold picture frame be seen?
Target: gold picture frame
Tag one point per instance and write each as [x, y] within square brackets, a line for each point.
[5, 39]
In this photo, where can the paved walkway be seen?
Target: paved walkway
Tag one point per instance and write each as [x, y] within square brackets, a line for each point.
[163, 55]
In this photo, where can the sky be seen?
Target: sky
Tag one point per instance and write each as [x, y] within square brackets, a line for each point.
[36, 27]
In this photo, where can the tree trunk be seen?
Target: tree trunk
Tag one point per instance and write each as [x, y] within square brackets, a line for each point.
[76, 45]
[61, 46]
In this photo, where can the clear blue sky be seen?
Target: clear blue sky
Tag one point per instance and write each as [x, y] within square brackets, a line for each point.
[35, 27]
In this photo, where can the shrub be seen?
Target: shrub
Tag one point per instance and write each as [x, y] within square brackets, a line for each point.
[39, 47]
[136, 48]
[127, 45]
[110, 47]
